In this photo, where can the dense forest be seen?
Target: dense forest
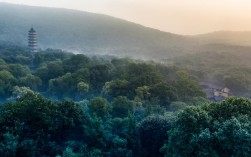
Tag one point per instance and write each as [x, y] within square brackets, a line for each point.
[72, 105]
[57, 75]
[221, 64]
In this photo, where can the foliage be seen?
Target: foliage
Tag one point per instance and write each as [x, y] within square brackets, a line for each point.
[31, 81]
[9, 144]
[121, 109]
[176, 106]
[58, 85]
[218, 65]
[82, 88]
[157, 126]
[75, 62]
[187, 86]
[7, 81]
[214, 129]
[164, 93]
[58, 74]
[116, 88]
[121, 106]
[99, 106]
[38, 123]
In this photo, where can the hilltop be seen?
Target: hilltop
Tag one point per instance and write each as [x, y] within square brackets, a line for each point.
[88, 33]
[92, 34]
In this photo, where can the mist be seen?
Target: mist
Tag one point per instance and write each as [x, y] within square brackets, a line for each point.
[180, 17]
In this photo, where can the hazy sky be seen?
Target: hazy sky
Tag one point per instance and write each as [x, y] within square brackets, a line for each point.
[177, 16]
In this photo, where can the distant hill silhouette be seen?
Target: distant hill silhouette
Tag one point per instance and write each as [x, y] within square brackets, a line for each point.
[90, 33]
[85, 32]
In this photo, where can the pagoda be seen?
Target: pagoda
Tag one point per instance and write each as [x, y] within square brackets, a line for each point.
[32, 41]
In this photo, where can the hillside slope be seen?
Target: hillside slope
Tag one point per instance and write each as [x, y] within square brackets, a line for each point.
[91, 33]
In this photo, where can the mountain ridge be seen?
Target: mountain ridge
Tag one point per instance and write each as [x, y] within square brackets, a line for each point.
[92, 33]
[85, 32]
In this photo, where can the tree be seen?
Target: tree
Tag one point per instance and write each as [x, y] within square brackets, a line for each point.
[31, 81]
[143, 74]
[51, 70]
[232, 106]
[116, 88]
[187, 86]
[143, 93]
[189, 122]
[233, 137]
[82, 75]
[76, 62]
[70, 120]
[121, 106]
[57, 86]
[94, 133]
[9, 145]
[55, 69]
[82, 88]
[99, 74]
[176, 106]
[69, 153]
[213, 129]
[18, 70]
[163, 93]
[152, 134]
[19, 92]
[7, 82]
[30, 117]
[100, 106]
[3, 65]
[238, 80]
[119, 147]
[41, 126]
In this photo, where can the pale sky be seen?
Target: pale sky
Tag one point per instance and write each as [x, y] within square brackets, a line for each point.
[176, 16]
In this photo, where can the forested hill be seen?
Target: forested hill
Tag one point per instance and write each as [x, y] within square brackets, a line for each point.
[90, 33]
[122, 108]
[87, 33]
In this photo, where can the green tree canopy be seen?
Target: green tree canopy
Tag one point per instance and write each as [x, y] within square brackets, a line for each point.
[214, 129]
[100, 106]
[121, 106]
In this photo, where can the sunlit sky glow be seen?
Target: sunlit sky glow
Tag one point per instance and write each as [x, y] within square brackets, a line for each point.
[176, 16]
